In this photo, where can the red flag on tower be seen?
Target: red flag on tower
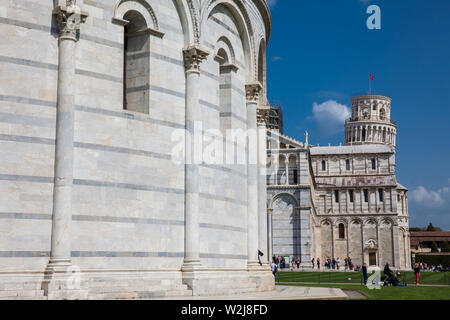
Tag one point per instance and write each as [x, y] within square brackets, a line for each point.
[371, 76]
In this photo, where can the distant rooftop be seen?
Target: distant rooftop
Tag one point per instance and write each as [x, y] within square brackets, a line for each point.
[357, 149]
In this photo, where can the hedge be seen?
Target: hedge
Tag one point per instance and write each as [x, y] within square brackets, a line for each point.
[434, 259]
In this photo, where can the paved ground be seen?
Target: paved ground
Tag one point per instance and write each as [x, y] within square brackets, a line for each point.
[281, 293]
[354, 294]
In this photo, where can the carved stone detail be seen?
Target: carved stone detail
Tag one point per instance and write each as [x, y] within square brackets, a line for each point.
[193, 56]
[263, 114]
[252, 91]
[69, 19]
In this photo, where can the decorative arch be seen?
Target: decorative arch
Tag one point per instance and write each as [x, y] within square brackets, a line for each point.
[262, 67]
[122, 7]
[369, 221]
[283, 195]
[225, 44]
[326, 221]
[341, 221]
[387, 221]
[238, 10]
[356, 221]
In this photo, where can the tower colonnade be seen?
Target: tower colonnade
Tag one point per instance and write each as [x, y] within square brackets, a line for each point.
[370, 121]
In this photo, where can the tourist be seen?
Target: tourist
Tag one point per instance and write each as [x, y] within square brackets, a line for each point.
[312, 261]
[364, 272]
[338, 261]
[274, 268]
[333, 262]
[298, 263]
[318, 263]
[417, 273]
[346, 264]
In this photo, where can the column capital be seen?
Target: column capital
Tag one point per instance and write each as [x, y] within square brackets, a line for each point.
[69, 19]
[252, 91]
[263, 114]
[193, 56]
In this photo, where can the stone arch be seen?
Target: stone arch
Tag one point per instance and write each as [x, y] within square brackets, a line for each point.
[225, 44]
[283, 195]
[187, 19]
[143, 7]
[326, 221]
[262, 67]
[371, 221]
[240, 14]
[287, 223]
[387, 221]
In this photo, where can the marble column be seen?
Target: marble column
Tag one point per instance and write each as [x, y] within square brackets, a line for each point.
[263, 117]
[58, 273]
[286, 169]
[69, 19]
[380, 249]
[269, 233]
[252, 94]
[193, 56]
[395, 247]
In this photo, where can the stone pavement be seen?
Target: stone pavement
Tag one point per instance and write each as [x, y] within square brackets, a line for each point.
[280, 293]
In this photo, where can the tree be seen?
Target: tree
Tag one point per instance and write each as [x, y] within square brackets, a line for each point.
[416, 229]
[432, 228]
[434, 247]
[445, 247]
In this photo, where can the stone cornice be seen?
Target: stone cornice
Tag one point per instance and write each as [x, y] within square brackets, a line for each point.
[280, 187]
[69, 18]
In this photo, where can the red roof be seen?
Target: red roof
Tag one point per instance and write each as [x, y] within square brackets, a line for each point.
[417, 237]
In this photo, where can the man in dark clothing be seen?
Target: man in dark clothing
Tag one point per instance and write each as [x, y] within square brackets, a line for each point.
[364, 272]
[387, 271]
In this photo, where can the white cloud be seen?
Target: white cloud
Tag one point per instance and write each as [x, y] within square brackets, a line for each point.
[271, 3]
[429, 198]
[276, 58]
[330, 116]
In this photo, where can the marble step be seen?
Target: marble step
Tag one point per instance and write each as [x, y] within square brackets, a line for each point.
[21, 293]
[140, 288]
[141, 295]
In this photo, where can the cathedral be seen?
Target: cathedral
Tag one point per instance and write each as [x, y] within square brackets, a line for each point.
[340, 201]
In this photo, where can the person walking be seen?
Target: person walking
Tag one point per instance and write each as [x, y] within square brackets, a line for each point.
[364, 272]
[312, 261]
[274, 268]
[318, 263]
[417, 273]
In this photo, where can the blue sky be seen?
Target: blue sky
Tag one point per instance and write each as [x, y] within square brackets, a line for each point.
[320, 54]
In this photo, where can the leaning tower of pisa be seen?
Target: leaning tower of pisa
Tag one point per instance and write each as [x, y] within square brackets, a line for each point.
[370, 121]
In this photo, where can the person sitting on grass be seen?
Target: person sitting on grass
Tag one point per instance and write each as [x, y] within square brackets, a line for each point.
[392, 279]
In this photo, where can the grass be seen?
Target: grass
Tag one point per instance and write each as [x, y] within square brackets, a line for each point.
[394, 293]
[432, 278]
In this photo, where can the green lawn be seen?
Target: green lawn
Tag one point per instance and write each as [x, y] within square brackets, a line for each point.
[395, 293]
[442, 278]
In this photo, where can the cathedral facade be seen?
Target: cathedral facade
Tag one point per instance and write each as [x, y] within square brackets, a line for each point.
[341, 201]
[94, 95]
